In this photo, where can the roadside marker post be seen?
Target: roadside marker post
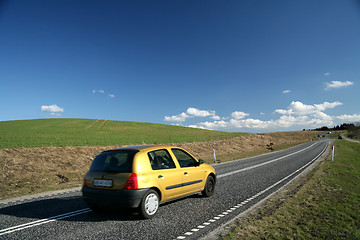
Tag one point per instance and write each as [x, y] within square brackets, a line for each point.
[214, 155]
[332, 153]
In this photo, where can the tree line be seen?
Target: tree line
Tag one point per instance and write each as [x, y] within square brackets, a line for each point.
[344, 126]
[353, 129]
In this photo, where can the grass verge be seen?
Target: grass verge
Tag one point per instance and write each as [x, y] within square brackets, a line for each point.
[325, 204]
[91, 132]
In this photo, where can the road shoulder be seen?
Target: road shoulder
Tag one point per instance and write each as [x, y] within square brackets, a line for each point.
[293, 186]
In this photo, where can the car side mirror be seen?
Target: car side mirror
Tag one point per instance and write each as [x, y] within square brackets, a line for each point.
[201, 161]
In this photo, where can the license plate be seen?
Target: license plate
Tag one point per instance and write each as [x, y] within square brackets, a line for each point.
[103, 183]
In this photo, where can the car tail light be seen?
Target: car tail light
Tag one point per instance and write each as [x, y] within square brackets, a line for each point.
[85, 183]
[132, 182]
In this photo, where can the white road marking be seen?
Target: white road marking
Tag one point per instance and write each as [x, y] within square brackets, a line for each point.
[263, 191]
[262, 164]
[43, 221]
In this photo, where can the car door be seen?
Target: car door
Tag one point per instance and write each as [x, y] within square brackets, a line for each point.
[167, 175]
[193, 174]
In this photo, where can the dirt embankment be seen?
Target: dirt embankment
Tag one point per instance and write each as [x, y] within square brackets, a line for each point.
[31, 170]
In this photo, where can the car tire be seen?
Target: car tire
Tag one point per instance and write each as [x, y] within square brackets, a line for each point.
[149, 205]
[209, 187]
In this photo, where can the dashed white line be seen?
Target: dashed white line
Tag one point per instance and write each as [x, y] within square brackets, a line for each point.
[255, 196]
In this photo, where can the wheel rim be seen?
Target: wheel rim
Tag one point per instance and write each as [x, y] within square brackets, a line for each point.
[151, 204]
[210, 186]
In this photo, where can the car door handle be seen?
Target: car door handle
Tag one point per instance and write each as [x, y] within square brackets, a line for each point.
[185, 173]
[160, 176]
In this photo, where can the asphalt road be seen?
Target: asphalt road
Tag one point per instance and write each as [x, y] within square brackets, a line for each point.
[240, 185]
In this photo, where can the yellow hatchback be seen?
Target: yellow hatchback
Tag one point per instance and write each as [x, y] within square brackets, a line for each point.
[142, 177]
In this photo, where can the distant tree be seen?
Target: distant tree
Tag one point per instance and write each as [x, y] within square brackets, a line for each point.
[324, 128]
[350, 127]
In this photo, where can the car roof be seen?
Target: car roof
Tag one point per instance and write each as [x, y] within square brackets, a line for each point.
[141, 148]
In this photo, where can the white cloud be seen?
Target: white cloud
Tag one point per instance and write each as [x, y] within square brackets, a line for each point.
[298, 108]
[199, 113]
[190, 113]
[198, 126]
[327, 74]
[250, 123]
[215, 117]
[109, 95]
[286, 91]
[297, 116]
[52, 109]
[177, 118]
[284, 122]
[211, 125]
[289, 121]
[239, 115]
[326, 105]
[349, 118]
[337, 84]
[236, 124]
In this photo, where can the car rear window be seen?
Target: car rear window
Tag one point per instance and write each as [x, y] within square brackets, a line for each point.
[113, 161]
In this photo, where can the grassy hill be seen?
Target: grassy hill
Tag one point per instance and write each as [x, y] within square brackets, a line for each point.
[91, 132]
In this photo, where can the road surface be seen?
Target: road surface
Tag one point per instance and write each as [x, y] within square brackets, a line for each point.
[240, 185]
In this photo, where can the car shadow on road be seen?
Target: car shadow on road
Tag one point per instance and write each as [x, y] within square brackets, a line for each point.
[51, 208]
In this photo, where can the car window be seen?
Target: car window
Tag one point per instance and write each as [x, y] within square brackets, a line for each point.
[161, 159]
[113, 161]
[185, 160]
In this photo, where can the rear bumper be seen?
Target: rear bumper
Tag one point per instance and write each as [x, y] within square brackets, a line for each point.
[114, 198]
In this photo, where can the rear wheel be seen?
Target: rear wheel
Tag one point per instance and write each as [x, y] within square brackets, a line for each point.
[149, 204]
[209, 187]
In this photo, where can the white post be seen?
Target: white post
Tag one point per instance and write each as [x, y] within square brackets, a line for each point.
[332, 153]
[214, 155]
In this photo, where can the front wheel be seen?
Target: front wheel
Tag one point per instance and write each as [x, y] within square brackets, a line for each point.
[149, 204]
[209, 187]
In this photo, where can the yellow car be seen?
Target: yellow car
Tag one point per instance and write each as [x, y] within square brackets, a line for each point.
[144, 176]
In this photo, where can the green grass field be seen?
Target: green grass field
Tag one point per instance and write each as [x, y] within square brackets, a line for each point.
[327, 206]
[90, 132]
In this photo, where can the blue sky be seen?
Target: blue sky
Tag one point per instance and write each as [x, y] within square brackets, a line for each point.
[253, 66]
